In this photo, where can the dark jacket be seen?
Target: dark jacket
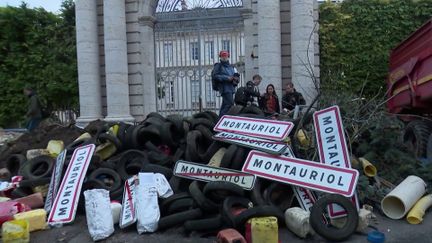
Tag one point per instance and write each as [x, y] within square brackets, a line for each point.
[222, 73]
[34, 107]
[290, 100]
[263, 103]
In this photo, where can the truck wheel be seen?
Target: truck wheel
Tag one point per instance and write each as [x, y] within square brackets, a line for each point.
[416, 136]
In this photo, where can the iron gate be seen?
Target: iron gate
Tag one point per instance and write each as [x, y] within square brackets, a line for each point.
[187, 44]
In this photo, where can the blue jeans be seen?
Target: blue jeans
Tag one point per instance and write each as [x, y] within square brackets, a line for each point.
[33, 123]
[227, 102]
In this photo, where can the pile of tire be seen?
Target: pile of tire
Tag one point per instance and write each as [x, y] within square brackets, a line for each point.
[156, 143]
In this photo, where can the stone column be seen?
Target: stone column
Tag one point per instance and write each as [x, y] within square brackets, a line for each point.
[250, 53]
[148, 63]
[116, 62]
[302, 47]
[269, 44]
[88, 61]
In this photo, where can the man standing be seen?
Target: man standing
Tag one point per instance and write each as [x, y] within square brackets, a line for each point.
[292, 98]
[227, 79]
[34, 111]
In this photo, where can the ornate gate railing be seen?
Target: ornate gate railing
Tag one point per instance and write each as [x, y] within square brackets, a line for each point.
[187, 44]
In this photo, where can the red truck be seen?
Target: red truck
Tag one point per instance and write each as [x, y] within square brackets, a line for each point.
[410, 89]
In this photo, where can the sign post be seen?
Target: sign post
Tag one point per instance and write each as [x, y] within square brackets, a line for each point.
[268, 146]
[66, 200]
[254, 127]
[303, 173]
[332, 147]
[207, 173]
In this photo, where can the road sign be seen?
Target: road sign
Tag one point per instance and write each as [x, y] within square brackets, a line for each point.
[304, 173]
[207, 173]
[55, 180]
[254, 127]
[66, 200]
[332, 147]
[268, 146]
[128, 215]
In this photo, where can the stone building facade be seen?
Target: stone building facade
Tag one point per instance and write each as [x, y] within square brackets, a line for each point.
[117, 59]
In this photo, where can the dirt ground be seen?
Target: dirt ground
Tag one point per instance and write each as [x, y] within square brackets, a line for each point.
[39, 138]
[394, 230]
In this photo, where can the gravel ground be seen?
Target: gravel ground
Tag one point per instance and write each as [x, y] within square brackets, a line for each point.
[394, 230]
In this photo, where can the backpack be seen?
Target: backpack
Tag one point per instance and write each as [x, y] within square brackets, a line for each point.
[240, 96]
[216, 66]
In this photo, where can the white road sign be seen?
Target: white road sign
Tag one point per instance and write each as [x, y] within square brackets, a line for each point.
[207, 173]
[303, 173]
[128, 212]
[332, 147]
[55, 180]
[254, 127]
[66, 200]
[273, 147]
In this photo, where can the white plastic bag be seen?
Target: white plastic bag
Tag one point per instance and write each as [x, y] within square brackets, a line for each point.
[150, 187]
[98, 213]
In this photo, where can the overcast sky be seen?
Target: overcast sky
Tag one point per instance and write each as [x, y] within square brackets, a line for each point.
[49, 5]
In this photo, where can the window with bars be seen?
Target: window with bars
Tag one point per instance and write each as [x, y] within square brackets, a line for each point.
[168, 52]
[194, 50]
[209, 50]
[226, 45]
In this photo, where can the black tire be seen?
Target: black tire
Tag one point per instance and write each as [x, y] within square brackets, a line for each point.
[205, 131]
[204, 115]
[260, 211]
[135, 157]
[415, 137]
[121, 134]
[177, 121]
[333, 233]
[113, 182]
[149, 133]
[129, 142]
[155, 114]
[239, 158]
[39, 167]
[235, 110]
[256, 194]
[279, 195]
[21, 192]
[193, 139]
[219, 190]
[179, 184]
[202, 121]
[203, 202]
[212, 149]
[158, 169]
[75, 144]
[105, 137]
[228, 156]
[165, 203]
[179, 218]
[180, 206]
[159, 158]
[213, 223]
[152, 121]
[14, 162]
[252, 110]
[35, 182]
[229, 203]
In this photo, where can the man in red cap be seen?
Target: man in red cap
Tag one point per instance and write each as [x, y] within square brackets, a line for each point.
[227, 79]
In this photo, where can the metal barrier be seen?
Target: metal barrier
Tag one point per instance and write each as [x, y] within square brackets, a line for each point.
[187, 45]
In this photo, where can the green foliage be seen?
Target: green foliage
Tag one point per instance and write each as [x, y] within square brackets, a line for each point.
[356, 37]
[37, 48]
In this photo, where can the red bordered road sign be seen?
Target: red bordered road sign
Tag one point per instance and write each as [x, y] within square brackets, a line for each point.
[207, 173]
[304, 173]
[272, 147]
[66, 201]
[332, 147]
[127, 215]
[260, 128]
